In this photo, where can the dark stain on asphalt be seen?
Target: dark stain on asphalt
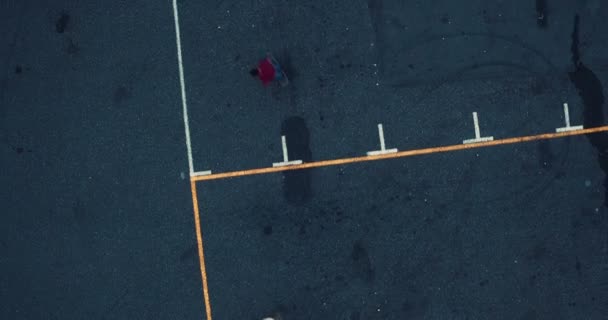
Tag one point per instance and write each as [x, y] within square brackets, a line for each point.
[268, 230]
[415, 306]
[590, 90]
[189, 254]
[71, 47]
[121, 94]
[361, 262]
[577, 266]
[541, 13]
[545, 154]
[20, 150]
[297, 187]
[62, 22]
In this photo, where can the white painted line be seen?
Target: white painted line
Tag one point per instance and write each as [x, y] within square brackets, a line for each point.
[383, 149]
[483, 139]
[182, 84]
[381, 134]
[286, 163]
[200, 173]
[564, 129]
[379, 152]
[284, 146]
[478, 137]
[476, 123]
[566, 115]
[568, 127]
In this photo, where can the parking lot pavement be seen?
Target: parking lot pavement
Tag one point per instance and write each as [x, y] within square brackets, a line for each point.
[98, 216]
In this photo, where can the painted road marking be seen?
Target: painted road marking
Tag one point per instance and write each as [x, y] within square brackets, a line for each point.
[478, 137]
[201, 253]
[383, 149]
[197, 222]
[383, 153]
[401, 154]
[200, 173]
[286, 161]
[182, 84]
[567, 119]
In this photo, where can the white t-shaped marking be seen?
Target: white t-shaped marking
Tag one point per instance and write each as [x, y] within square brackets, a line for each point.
[478, 137]
[382, 144]
[568, 127]
[286, 161]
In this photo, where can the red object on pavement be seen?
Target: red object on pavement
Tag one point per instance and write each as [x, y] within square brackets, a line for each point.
[266, 71]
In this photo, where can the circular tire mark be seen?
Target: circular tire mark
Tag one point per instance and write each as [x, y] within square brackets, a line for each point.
[528, 192]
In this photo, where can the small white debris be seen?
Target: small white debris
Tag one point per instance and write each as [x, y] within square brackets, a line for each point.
[182, 175]
[587, 183]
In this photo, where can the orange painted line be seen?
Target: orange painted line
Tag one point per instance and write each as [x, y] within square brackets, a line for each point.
[401, 154]
[201, 254]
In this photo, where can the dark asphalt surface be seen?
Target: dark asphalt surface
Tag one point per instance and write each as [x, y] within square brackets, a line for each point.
[97, 217]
